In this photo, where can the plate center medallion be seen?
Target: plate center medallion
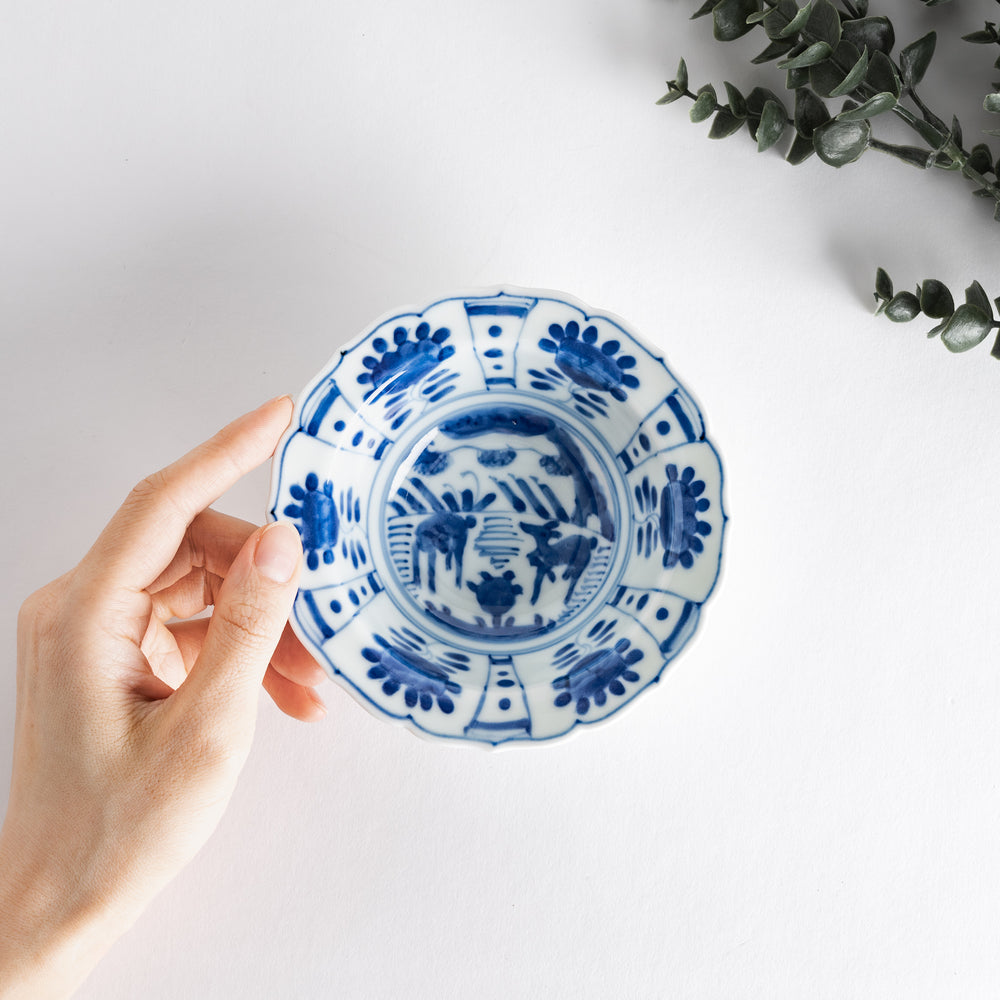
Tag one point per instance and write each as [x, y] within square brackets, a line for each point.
[500, 523]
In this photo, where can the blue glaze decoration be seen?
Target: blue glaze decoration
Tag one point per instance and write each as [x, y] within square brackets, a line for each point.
[316, 514]
[681, 531]
[510, 513]
[400, 665]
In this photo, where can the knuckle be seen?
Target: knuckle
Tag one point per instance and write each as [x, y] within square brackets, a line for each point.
[156, 492]
[244, 622]
[38, 608]
[149, 486]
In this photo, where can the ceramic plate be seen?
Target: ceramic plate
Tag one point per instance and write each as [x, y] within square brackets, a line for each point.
[510, 513]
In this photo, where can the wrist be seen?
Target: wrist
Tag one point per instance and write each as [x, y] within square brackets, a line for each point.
[54, 931]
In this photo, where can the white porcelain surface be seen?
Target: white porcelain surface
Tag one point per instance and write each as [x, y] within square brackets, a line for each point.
[510, 512]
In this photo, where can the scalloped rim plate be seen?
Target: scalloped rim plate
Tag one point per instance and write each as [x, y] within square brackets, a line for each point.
[510, 513]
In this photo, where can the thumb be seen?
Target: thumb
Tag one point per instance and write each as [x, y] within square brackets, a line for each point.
[251, 611]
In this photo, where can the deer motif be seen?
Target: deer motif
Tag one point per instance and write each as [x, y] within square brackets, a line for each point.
[573, 552]
[444, 532]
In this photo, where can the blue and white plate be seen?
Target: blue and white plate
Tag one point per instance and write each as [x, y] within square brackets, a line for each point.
[510, 512]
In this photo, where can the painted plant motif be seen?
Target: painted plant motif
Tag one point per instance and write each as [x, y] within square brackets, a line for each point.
[598, 370]
[323, 519]
[496, 595]
[393, 369]
[593, 675]
[315, 513]
[681, 531]
[402, 662]
[672, 519]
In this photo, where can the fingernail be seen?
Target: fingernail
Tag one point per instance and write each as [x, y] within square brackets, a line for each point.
[277, 399]
[278, 552]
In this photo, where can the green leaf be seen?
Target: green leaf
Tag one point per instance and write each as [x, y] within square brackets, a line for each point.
[981, 159]
[914, 155]
[797, 23]
[882, 76]
[968, 327]
[824, 23]
[725, 124]
[800, 150]
[737, 102]
[956, 131]
[705, 8]
[854, 78]
[916, 57]
[729, 18]
[827, 76]
[758, 98]
[995, 353]
[985, 37]
[975, 296]
[810, 112]
[704, 104]
[872, 33]
[883, 284]
[681, 80]
[795, 78]
[839, 143]
[670, 96]
[903, 307]
[861, 6]
[991, 102]
[774, 51]
[934, 137]
[872, 107]
[778, 17]
[773, 122]
[816, 52]
[935, 299]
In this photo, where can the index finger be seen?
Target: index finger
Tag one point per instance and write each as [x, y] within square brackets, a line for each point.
[142, 538]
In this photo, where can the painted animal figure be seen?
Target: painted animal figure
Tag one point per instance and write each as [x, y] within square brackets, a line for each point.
[573, 552]
[444, 532]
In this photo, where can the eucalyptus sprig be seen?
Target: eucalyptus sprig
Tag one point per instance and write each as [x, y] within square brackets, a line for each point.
[961, 327]
[835, 50]
[828, 53]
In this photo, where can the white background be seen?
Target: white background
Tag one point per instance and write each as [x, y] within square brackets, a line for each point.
[201, 202]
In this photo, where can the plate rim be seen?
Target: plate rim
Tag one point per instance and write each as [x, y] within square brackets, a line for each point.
[408, 721]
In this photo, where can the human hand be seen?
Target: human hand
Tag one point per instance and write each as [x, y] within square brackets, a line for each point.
[131, 729]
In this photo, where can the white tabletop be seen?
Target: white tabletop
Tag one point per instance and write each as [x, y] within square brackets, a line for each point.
[201, 203]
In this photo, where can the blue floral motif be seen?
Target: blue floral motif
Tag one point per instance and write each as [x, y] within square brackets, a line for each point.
[399, 664]
[595, 368]
[681, 531]
[316, 513]
[397, 367]
[496, 594]
[595, 674]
